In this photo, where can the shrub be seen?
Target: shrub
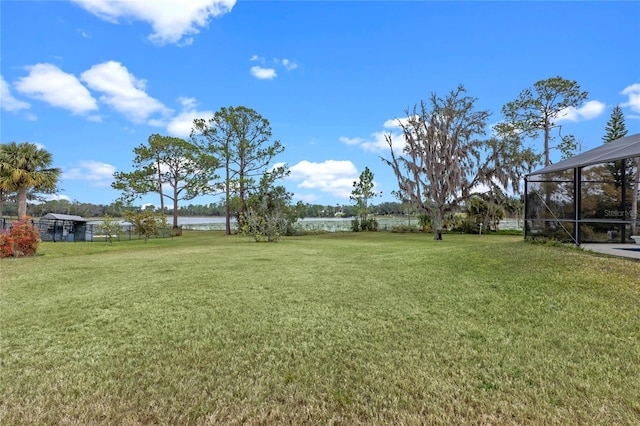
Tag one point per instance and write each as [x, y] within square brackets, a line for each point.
[146, 224]
[21, 240]
[426, 222]
[6, 244]
[548, 241]
[111, 228]
[371, 225]
[364, 224]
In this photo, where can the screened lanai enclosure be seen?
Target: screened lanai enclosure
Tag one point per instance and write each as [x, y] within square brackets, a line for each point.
[589, 198]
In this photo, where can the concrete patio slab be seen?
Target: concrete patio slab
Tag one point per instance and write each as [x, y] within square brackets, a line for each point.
[630, 251]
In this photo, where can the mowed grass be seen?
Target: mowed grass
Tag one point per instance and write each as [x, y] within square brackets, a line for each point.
[348, 328]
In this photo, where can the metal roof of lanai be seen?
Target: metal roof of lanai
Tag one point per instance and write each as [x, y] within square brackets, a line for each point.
[620, 149]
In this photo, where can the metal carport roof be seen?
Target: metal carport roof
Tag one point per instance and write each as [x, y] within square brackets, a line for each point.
[69, 217]
[620, 149]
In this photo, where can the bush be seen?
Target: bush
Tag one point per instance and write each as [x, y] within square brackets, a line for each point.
[21, 240]
[146, 223]
[426, 222]
[111, 228]
[371, 225]
[547, 241]
[6, 244]
[363, 224]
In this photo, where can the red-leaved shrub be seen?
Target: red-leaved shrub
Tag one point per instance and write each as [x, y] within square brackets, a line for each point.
[6, 244]
[21, 240]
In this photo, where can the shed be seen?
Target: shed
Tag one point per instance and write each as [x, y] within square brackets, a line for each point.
[62, 227]
[592, 197]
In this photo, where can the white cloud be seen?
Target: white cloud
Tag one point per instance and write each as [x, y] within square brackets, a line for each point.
[633, 92]
[31, 117]
[122, 91]
[351, 141]
[393, 123]
[7, 101]
[97, 173]
[397, 123]
[173, 21]
[377, 141]
[263, 73]
[289, 65]
[268, 72]
[95, 118]
[50, 84]
[180, 125]
[56, 197]
[332, 177]
[588, 111]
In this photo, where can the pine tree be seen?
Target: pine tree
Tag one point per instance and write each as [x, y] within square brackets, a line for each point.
[537, 109]
[615, 127]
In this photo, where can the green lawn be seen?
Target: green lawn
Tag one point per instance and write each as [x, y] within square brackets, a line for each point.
[369, 328]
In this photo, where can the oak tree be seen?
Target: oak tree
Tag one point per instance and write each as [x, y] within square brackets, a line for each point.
[442, 162]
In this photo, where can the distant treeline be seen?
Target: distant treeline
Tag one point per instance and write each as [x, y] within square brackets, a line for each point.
[89, 210]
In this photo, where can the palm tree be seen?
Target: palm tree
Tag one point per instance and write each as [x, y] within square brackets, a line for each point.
[24, 166]
[6, 186]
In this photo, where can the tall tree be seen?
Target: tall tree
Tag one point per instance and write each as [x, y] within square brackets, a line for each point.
[362, 193]
[25, 167]
[442, 163]
[241, 139]
[171, 162]
[7, 186]
[538, 109]
[616, 129]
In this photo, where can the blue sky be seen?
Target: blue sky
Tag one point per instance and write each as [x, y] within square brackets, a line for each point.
[89, 80]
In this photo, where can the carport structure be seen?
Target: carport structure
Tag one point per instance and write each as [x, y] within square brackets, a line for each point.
[62, 227]
[589, 198]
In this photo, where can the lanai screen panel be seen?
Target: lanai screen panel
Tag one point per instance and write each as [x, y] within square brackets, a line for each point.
[587, 198]
[550, 205]
[606, 199]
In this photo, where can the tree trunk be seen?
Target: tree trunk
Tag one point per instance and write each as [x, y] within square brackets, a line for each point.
[175, 208]
[160, 188]
[22, 202]
[547, 161]
[437, 227]
[227, 199]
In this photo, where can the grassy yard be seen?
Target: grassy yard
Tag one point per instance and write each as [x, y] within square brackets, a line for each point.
[349, 328]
